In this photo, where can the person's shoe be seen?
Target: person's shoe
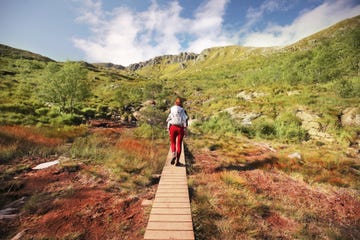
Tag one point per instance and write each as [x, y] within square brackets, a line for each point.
[178, 164]
[173, 158]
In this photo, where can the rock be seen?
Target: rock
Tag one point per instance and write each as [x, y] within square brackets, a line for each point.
[46, 165]
[244, 95]
[248, 117]
[245, 117]
[166, 59]
[149, 103]
[249, 96]
[350, 117]
[295, 155]
[266, 146]
[291, 93]
[311, 123]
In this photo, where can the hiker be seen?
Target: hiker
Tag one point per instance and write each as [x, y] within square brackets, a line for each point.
[176, 125]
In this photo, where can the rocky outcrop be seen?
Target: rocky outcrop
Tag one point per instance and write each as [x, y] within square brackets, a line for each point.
[182, 58]
[311, 123]
[248, 96]
[109, 65]
[350, 117]
[245, 117]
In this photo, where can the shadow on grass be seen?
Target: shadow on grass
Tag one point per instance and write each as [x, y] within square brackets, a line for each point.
[271, 160]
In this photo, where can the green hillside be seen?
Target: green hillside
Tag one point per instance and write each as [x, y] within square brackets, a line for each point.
[322, 69]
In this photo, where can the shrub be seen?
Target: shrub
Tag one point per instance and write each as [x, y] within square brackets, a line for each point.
[88, 113]
[288, 128]
[54, 112]
[347, 88]
[67, 119]
[42, 111]
[220, 124]
[102, 111]
[266, 129]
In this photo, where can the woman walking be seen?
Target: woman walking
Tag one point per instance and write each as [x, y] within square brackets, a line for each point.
[176, 124]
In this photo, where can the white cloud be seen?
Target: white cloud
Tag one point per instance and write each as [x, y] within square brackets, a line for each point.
[255, 15]
[309, 22]
[91, 13]
[124, 36]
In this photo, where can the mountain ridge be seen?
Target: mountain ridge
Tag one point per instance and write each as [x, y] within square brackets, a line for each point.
[16, 53]
[184, 57]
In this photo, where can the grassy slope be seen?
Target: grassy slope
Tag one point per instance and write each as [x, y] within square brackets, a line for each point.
[221, 73]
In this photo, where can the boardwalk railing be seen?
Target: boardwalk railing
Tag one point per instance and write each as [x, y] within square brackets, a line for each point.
[170, 216]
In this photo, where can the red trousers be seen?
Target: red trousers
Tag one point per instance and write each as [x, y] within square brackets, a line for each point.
[176, 137]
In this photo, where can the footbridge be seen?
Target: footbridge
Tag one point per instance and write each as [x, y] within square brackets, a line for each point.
[170, 216]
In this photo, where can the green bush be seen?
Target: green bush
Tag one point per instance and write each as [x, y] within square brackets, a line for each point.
[88, 113]
[220, 124]
[288, 128]
[42, 111]
[67, 119]
[17, 108]
[102, 111]
[348, 88]
[264, 128]
[54, 112]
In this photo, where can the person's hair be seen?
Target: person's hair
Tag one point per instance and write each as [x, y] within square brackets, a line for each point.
[178, 101]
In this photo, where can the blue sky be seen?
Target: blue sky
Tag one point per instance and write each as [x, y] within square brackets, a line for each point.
[129, 31]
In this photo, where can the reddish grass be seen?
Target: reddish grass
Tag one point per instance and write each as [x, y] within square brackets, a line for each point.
[140, 146]
[27, 135]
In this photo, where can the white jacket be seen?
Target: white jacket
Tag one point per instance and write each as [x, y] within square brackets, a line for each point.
[177, 116]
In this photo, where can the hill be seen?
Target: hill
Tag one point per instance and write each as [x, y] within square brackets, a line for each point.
[10, 52]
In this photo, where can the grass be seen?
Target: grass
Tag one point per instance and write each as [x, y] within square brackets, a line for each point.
[17, 141]
[290, 198]
[131, 160]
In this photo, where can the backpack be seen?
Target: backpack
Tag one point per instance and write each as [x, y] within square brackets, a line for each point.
[176, 116]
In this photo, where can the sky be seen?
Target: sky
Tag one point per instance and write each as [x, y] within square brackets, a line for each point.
[129, 31]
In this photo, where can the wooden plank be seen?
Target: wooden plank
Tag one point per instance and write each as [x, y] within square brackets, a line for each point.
[176, 226]
[171, 205]
[172, 190]
[159, 235]
[160, 210]
[169, 218]
[172, 194]
[171, 200]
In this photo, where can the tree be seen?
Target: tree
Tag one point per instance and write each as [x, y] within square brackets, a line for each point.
[65, 85]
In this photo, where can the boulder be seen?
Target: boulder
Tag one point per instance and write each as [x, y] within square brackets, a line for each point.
[311, 123]
[245, 117]
[350, 117]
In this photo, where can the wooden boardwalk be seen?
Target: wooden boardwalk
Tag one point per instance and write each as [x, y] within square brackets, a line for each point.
[170, 216]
